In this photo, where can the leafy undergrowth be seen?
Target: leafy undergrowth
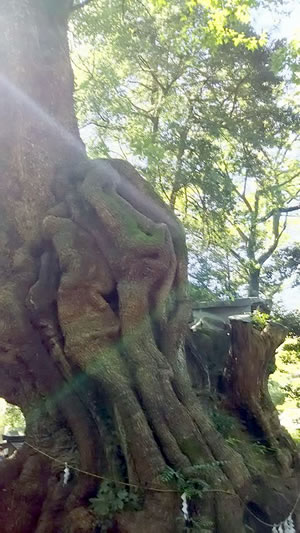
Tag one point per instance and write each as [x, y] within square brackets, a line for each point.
[284, 386]
[250, 448]
[111, 499]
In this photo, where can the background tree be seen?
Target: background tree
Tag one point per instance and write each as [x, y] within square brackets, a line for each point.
[13, 419]
[94, 332]
[285, 382]
[285, 264]
[205, 120]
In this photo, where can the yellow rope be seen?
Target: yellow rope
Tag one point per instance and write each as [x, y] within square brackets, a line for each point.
[96, 475]
[153, 489]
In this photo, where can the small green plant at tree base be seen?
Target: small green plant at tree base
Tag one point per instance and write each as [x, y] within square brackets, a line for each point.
[259, 319]
[224, 422]
[198, 525]
[191, 483]
[253, 453]
[255, 446]
[113, 498]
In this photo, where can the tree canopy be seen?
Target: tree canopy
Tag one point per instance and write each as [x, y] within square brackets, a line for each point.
[209, 116]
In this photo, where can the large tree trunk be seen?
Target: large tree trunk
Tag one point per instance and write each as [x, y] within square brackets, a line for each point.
[254, 282]
[94, 320]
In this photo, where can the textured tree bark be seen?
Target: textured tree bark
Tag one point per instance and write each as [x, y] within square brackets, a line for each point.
[254, 282]
[249, 366]
[94, 318]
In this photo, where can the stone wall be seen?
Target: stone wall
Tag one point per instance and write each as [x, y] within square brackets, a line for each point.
[216, 313]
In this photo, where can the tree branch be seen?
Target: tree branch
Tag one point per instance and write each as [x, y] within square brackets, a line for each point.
[240, 259]
[147, 68]
[105, 125]
[290, 179]
[242, 195]
[238, 229]
[236, 94]
[276, 219]
[279, 210]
